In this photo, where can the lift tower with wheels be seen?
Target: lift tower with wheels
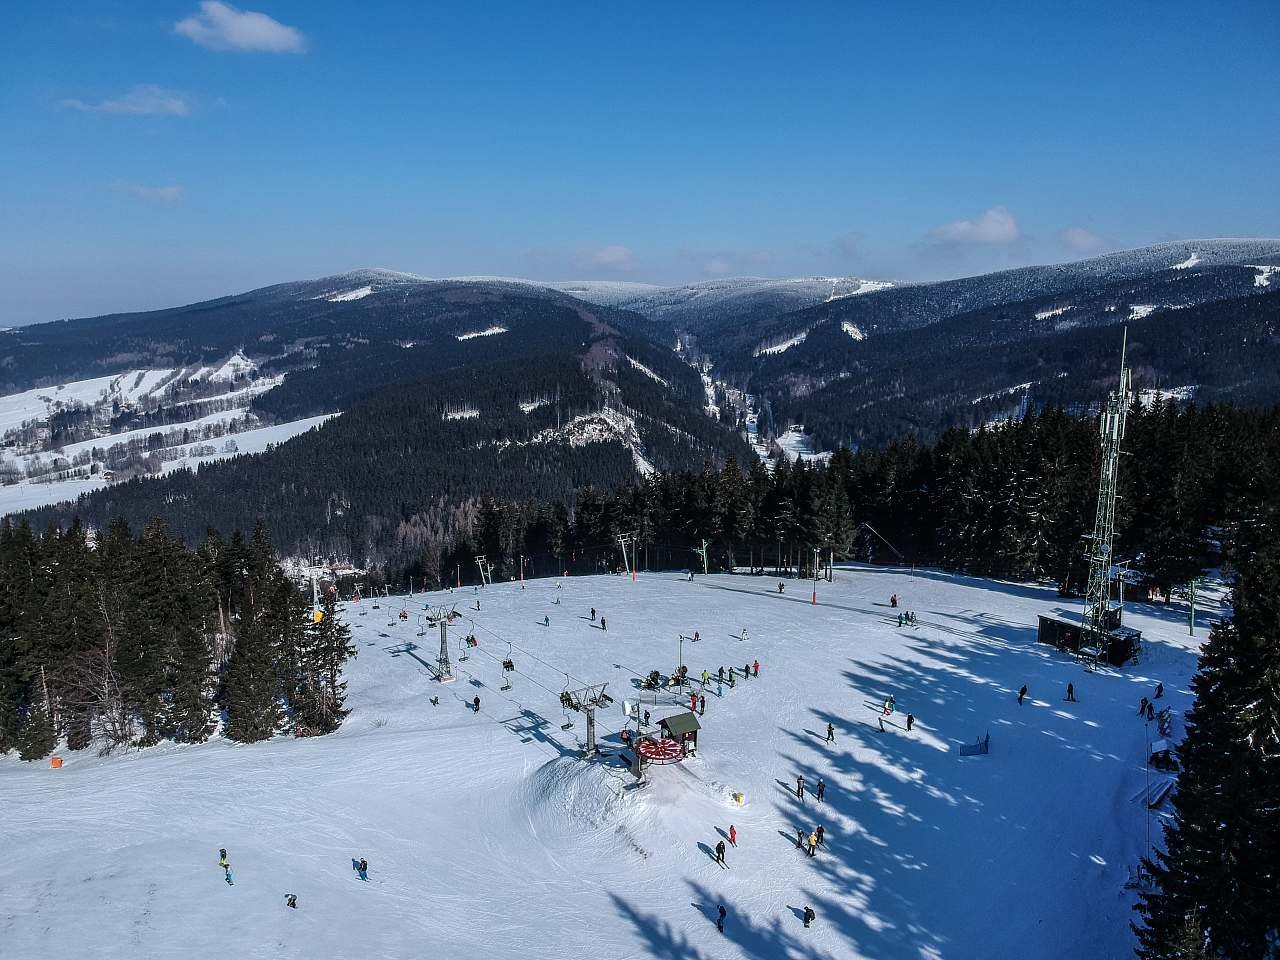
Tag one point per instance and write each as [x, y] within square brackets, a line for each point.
[442, 616]
[587, 700]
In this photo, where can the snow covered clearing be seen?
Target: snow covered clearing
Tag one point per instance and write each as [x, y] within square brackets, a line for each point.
[467, 413]
[528, 406]
[852, 330]
[1139, 310]
[647, 372]
[1006, 392]
[488, 837]
[1264, 275]
[1180, 394]
[16, 497]
[486, 332]
[864, 286]
[1055, 312]
[798, 445]
[781, 347]
[357, 294]
[1188, 263]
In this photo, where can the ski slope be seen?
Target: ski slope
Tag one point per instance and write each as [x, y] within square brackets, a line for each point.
[487, 837]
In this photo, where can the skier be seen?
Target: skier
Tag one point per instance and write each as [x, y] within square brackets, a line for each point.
[702, 706]
[646, 718]
[743, 635]
[820, 832]
[363, 869]
[291, 900]
[910, 721]
[893, 602]
[800, 839]
[546, 621]
[822, 789]
[809, 916]
[831, 733]
[705, 677]
[720, 675]
[696, 638]
[720, 854]
[800, 789]
[1159, 690]
[733, 835]
[603, 625]
[1022, 694]
[1142, 707]
[899, 619]
[732, 683]
[746, 671]
[780, 586]
[720, 913]
[477, 603]
[693, 702]
[813, 844]
[1071, 693]
[1151, 710]
[593, 614]
[230, 882]
[889, 705]
[880, 720]
[755, 667]
[476, 704]
[222, 857]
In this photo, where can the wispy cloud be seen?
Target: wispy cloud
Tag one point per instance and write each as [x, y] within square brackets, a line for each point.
[166, 194]
[146, 99]
[728, 263]
[220, 26]
[1080, 240]
[613, 257]
[993, 227]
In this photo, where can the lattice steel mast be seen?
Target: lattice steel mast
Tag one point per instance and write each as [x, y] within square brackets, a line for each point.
[1101, 614]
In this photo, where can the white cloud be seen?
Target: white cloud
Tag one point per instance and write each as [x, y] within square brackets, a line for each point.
[1080, 240]
[167, 194]
[612, 257]
[146, 99]
[994, 227]
[220, 26]
[717, 267]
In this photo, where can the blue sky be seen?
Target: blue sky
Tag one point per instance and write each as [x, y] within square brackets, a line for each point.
[159, 153]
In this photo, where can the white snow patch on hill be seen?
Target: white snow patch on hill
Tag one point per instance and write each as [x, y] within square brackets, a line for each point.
[1188, 263]
[528, 406]
[1264, 275]
[1007, 391]
[1180, 394]
[1139, 310]
[852, 330]
[798, 445]
[781, 347]
[486, 332]
[864, 286]
[466, 413]
[1055, 312]
[647, 372]
[358, 294]
[486, 837]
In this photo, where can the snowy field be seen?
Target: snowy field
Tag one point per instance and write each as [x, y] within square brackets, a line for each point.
[487, 837]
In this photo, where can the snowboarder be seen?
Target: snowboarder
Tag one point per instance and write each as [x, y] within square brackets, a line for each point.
[720, 854]
[1071, 693]
[475, 703]
[809, 917]
[593, 614]
[222, 857]
[733, 835]
[1022, 694]
[1159, 690]
[800, 789]
[813, 844]
[1142, 707]
[831, 733]
[755, 667]
[910, 721]
[822, 789]
[820, 832]
[291, 900]
[893, 602]
[720, 915]
[780, 586]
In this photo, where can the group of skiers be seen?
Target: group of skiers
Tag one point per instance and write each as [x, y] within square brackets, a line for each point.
[907, 619]
[603, 624]
[361, 868]
[890, 705]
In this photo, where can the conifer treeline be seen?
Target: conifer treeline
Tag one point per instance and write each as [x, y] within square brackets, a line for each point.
[1216, 886]
[131, 640]
[1010, 502]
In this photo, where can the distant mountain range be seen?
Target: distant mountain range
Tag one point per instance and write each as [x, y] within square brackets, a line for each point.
[453, 389]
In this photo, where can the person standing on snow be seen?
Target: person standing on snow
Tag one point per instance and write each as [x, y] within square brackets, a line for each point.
[705, 678]
[813, 844]
[755, 667]
[222, 857]
[1022, 694]
[809, 917]
[720, 915]
[1159, 690]
[1071, 693]
[822, 789]
[893, 602]
[702, 706]
[820, 833]
[1151, 710]
[780, 586]
[899, 619]
[720, 854]
[593, 614]
[800, 789]
[230, 882]
[291, 900]
[733, 835]
[911, 719]
[476, 704]
[363, 869]
[1142, 707]
[800, 839]
[603, 626]
[831, 733]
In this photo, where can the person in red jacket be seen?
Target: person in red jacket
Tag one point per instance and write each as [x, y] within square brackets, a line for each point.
[755, 667]
[733, 834]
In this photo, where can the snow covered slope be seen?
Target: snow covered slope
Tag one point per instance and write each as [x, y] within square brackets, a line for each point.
[486, 837]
